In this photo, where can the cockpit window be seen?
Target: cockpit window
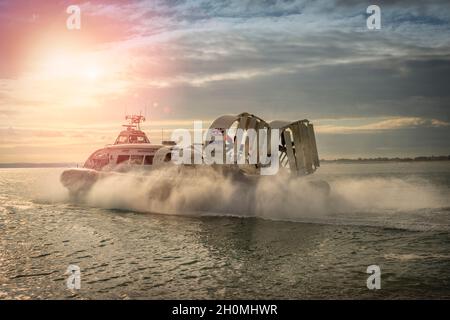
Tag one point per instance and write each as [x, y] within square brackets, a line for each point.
[122, 139]
[127, 137]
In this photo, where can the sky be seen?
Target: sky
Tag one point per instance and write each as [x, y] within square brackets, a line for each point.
[370, 93]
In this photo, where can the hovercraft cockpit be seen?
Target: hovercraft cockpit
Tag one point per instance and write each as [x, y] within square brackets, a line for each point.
[133, 133]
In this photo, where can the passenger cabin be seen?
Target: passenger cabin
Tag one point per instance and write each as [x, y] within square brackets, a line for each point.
[132, 149]
[124, 157]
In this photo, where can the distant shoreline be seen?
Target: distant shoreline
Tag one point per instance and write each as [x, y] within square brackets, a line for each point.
[37, 165]
[382, 159]
[341, 160]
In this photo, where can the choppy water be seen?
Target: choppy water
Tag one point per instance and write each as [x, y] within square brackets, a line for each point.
[279, 240]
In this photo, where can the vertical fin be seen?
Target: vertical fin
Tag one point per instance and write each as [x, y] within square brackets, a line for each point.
[289, 150]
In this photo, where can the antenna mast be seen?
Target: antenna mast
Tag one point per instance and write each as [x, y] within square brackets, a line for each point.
[135, 121]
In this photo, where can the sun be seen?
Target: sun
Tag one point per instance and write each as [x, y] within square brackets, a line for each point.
[92, 73]
[64, 64]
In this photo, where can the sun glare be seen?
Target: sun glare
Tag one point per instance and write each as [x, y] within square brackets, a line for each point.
[92, 73]
[66, 65]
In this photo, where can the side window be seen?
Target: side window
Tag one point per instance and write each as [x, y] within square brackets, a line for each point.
[148, 160]
[136, 159]
[122, 158]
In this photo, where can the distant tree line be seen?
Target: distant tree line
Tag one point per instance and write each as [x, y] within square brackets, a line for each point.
[37, 165]
[397, 159]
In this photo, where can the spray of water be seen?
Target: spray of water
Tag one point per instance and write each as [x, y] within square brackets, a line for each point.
[209, 191]
[206, 191]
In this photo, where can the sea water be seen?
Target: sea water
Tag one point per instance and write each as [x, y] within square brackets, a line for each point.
[208, 237]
